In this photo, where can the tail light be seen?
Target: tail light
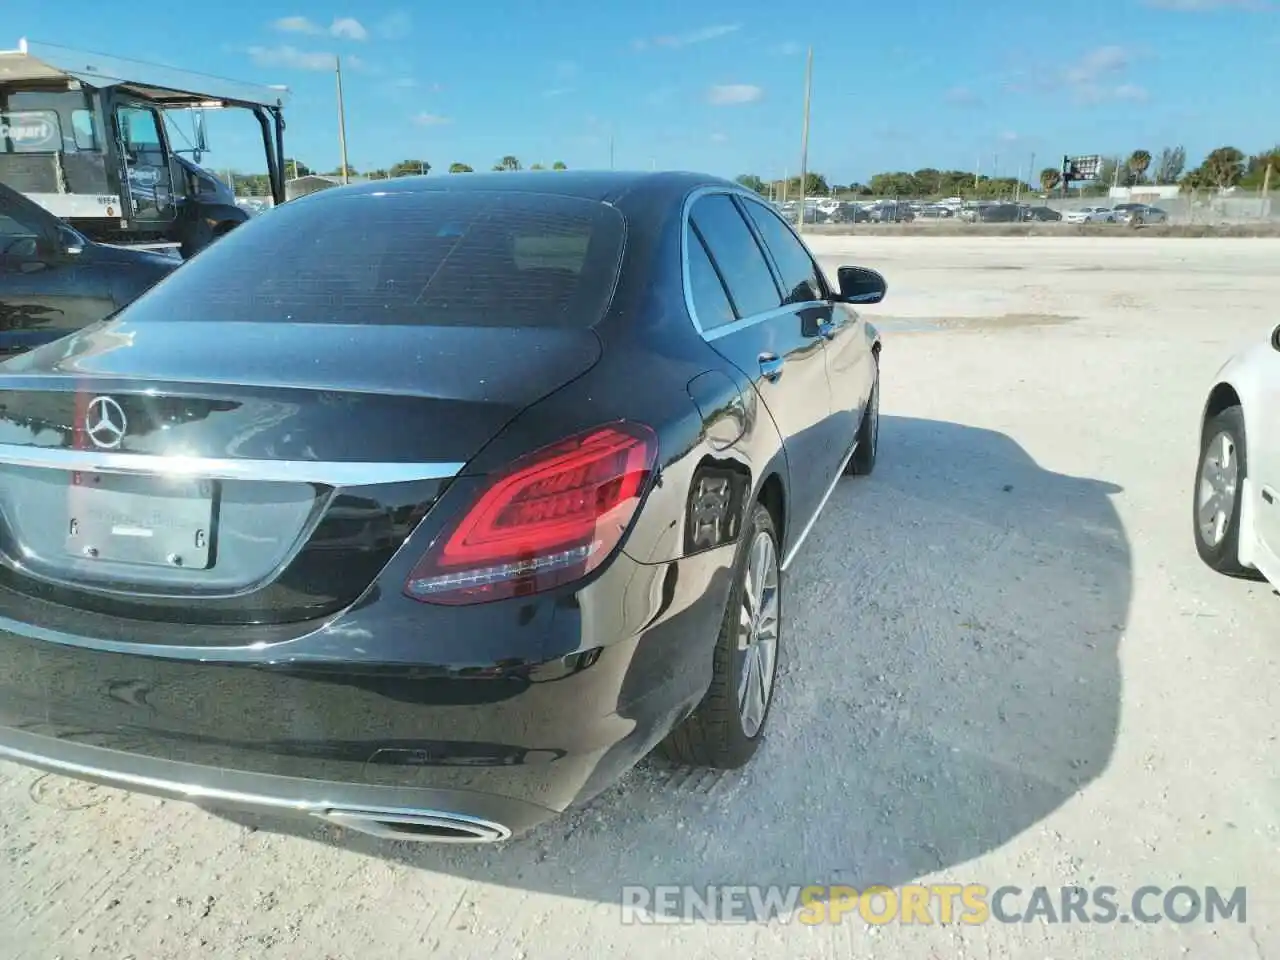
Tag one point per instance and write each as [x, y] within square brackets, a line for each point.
[548, 519]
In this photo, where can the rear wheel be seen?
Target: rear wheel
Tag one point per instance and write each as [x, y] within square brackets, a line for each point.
[863, 460]
[1218, 500]
[725, 729]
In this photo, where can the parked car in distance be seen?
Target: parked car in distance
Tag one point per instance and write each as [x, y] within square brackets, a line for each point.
[1236, 507]
[1090, 215]
[1139, 213]
[891, 211]
[506, 470]
[1041, 214]
[984, 212]
[54, 281]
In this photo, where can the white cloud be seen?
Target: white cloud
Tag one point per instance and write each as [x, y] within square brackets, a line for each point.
[291, 58]
[405, 83]
[557, 91]
[1099, 76]
[348, 28]
[790, 48]
[297, 25]
[1009, 137]
[729, 94]
[719, 138]
[431, 120]
[693, 36]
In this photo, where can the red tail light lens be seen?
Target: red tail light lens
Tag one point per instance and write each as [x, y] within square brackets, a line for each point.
[550, 518]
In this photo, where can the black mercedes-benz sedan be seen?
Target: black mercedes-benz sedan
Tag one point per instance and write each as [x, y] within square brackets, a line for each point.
[428, 507]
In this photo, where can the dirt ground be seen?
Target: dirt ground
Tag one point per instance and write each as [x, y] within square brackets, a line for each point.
[1004, 665]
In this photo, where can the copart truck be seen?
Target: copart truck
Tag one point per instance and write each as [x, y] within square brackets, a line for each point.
[85, 135]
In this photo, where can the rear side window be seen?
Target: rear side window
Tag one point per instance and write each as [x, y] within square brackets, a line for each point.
[800, 281]
[710, 302]
[735, 252]
[492, 259]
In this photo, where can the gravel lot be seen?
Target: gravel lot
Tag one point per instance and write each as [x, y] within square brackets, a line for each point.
[1005, 665]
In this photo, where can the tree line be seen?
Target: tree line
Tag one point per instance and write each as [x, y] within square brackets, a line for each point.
[257, 185]
[1221, 168]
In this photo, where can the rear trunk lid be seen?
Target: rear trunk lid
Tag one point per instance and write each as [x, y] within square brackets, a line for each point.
[230, 473]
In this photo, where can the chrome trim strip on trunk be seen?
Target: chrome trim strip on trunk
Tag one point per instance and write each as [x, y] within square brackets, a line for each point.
[332, 473]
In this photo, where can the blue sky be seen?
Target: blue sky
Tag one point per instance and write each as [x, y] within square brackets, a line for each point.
[717, 86]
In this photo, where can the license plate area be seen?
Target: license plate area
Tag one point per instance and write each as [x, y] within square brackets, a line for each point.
[151, 521]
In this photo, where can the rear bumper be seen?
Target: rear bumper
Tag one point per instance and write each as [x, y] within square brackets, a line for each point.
[439, 815]
[506, 742]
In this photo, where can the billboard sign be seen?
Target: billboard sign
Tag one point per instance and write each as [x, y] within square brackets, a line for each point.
[1075, 169]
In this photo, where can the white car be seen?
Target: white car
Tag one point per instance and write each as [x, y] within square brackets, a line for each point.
[1237, 496]
[1090, 215]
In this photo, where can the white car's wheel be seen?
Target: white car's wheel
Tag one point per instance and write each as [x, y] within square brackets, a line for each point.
[1218, 493]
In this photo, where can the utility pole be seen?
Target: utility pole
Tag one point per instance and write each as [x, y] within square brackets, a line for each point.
[342, 120]
[804, 137]
[1031, 173]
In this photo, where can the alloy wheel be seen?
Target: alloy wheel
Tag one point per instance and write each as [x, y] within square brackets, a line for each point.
[758, 633]
[1219, 482]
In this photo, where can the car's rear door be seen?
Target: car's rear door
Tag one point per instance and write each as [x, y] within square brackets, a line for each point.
[739, 308]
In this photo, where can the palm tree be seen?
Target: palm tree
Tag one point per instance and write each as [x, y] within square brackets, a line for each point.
[1138, 163]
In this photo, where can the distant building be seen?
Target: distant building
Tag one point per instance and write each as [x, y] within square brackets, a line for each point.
[1145, 193]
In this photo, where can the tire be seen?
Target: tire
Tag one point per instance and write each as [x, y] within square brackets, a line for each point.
[1221, 466]
[863, 460]
[715, 734]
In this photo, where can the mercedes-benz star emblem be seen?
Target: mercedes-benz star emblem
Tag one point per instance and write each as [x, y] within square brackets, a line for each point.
[105, 423]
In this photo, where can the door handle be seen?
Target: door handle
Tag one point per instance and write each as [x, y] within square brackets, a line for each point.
[770, 366]
[827, 330]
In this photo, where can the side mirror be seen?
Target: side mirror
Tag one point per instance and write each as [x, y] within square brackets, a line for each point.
[861, 286]
[69, 244]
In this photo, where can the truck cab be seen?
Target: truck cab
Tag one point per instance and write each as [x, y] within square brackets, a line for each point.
[85, 137]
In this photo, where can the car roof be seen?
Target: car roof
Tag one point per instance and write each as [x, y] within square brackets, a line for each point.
[605, 186]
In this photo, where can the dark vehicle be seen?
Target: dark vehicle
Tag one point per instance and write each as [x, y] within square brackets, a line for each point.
[1041, 214]
[850, 213]
[53, 281]
[91, 139]
[891, 211]
[992, 213]
[429, 506]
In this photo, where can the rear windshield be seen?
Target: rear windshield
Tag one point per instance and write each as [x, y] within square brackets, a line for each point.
[418, 258]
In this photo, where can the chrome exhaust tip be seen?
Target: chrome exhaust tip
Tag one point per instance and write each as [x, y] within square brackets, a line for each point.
[420, 826]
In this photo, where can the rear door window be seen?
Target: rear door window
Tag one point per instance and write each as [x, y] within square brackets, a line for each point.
[469, 258]
[710, 301]
[736, 254]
